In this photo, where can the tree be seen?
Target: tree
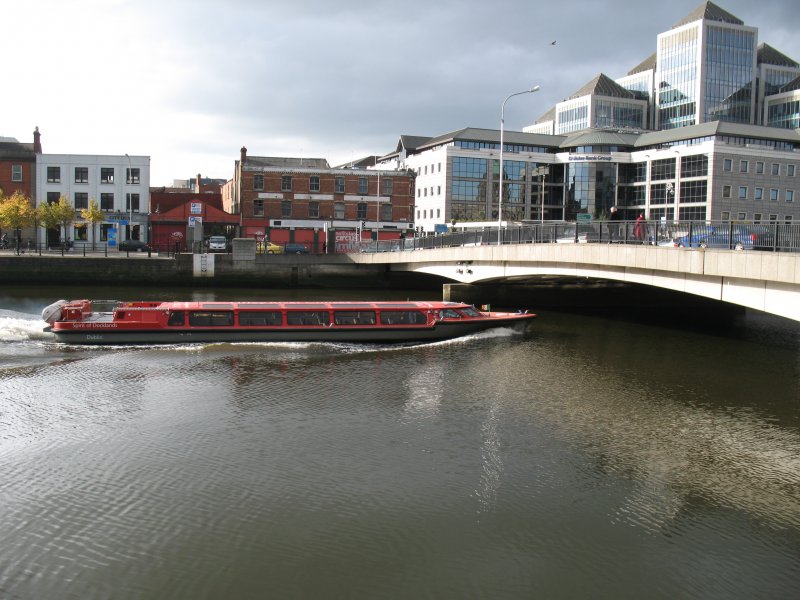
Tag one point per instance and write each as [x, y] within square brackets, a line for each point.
[53, 215]
[16, 212]
[46, 216]
[93, 215]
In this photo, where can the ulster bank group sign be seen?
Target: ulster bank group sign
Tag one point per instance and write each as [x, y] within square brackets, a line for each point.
[589, 157]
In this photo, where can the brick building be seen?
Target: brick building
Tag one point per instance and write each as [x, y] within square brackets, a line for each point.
[305, 200]
[18, 168]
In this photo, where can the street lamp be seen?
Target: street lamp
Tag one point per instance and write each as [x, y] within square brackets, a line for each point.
[502, 122]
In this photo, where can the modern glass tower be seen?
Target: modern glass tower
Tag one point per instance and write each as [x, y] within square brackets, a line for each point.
[706, 70]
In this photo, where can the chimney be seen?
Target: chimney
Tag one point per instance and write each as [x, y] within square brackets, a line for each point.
[37, 141]
[243, 157]
[198, 190]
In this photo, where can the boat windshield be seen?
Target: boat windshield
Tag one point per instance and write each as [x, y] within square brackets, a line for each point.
[470, 312]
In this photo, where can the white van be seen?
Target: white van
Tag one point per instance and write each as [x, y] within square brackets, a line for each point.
[217, 243]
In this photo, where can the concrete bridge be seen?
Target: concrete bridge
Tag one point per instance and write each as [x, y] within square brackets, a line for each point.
[766, 281]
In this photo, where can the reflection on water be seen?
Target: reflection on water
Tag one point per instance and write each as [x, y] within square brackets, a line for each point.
[587, 457]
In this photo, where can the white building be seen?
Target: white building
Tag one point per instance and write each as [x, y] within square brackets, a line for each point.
[119, 184]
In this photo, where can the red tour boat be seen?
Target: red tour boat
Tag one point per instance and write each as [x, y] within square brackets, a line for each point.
[115, 322]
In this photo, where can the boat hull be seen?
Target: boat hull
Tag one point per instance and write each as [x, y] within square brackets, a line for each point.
[440, 331]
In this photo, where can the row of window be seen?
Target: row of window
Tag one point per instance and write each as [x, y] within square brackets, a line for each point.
[757, 217]
[81, 200]
[424, 169]
[744, 167]
[758, 193]
[287, 183]
[132, 175]
[274, 318]
[314, 213]
[423, 192]
[423, 214]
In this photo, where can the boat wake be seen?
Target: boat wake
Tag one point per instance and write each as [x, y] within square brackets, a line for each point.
[21, 327]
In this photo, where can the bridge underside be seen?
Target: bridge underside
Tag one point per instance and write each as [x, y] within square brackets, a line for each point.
[764, 281]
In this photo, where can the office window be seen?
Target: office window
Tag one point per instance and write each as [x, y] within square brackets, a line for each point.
[387, 186]
[106, 201]
[107, 175]
[742, 216]
[132, 176]
[361, 210]
[742, 192]
[53, 197]
[81, 174]
[426, 169]
[788, 219]
[363, 186]
[743, 166]
[727, 165]
[258, 208]
[438, 190]
[726, 191]
[258, 182]
[286, 208]
[313, 209]
[132, 202]
[760, 168]
[790, 170]
[16, 172]
[776, 169]
[759, 193]
[790, 195]
[313, 183]
[81, 200]
[773, 195]
[757, 218]
[286, 183]
[773, 218]
[386, 212]
[53, 174]
[338, 210]
[338, 185]
[725, 215]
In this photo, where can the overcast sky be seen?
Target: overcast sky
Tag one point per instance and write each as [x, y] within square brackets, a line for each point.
[190, 83]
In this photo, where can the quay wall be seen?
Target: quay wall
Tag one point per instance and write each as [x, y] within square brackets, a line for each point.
[262, 271]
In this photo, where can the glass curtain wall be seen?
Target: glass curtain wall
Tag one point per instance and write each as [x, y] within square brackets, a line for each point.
[468, 195]
[729, 75]
[677, 78]
[591, 189]
[514, 180]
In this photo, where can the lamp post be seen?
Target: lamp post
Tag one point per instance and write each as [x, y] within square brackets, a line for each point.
[502, 123]
[130, 199]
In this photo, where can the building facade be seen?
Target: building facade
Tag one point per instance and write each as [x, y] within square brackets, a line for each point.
[18, 169]
[119, 184]
[306, 201]
[683, 135]
[713, 171]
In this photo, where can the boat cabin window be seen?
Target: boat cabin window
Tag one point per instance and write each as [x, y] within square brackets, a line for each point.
[308, 317]
[260, 317]
[354, 317]
[214, 318]
[176, 318]
[449, 313]
[470, 312]
[403, 317]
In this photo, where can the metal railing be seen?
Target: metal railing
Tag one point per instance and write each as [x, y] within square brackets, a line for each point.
[725, 235]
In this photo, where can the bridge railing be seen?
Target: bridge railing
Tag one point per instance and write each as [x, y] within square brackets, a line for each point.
[775, 237]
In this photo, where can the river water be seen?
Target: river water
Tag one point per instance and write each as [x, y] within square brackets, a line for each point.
[588, 456]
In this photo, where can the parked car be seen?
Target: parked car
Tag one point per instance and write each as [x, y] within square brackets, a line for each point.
[272, 248]
[294, 248]
[133, 246]
[217, 243]
[732, 237]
